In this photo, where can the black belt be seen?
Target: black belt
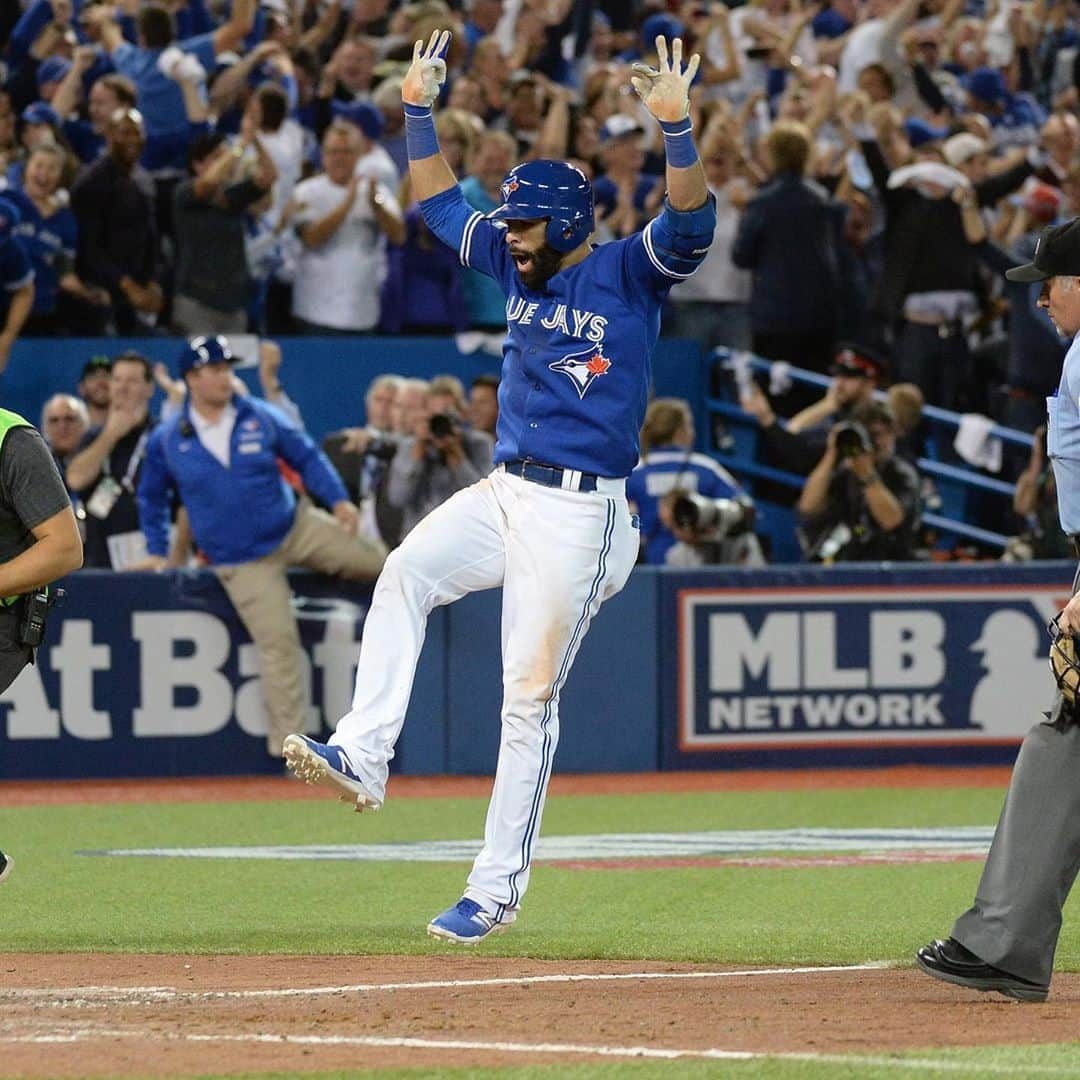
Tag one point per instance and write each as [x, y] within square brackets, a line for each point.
[551, 475]
[1074, 539]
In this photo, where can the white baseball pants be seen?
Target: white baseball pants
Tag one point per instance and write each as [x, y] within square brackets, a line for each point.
[558, 556]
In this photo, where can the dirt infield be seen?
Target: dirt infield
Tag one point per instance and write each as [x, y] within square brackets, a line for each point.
[233, 789]
[163, 1016]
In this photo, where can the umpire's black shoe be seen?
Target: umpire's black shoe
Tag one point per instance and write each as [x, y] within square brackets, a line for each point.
[950, 961]
[5, 866]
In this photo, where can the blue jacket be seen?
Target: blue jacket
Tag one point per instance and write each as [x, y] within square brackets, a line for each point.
[242, 512]
[791, 237]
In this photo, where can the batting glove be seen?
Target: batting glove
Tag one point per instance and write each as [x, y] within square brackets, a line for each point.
[427, 72]
[665, 89]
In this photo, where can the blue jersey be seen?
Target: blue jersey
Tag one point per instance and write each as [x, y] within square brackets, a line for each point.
[16, 270]
[87, 143]
[47, 240]
[577, 356]
[662, 471]
[160, 99]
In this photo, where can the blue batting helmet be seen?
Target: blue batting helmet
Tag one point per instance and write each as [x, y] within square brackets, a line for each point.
[553, 190]
[200, 351]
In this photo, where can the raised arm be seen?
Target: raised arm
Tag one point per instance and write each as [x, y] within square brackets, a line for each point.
[665, 92]
[229, 37]
[428, 170]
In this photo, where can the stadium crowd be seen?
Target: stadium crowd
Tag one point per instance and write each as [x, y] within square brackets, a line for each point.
[180, 167]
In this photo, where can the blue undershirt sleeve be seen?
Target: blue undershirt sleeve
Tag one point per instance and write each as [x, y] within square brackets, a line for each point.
[478, 242]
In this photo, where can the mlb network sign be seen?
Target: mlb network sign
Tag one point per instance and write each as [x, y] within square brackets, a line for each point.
[857, 666]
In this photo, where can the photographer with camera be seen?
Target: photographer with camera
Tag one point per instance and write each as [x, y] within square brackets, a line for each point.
[861, 502]
[692, 510]
[797, 444]
[362, 456]
[441, 456]
[39, 542]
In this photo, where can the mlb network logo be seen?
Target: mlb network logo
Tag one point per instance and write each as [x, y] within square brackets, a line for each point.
[883, 665]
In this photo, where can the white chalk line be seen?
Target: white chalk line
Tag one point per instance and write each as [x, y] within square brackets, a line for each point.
[647, 1052]
[151, 995]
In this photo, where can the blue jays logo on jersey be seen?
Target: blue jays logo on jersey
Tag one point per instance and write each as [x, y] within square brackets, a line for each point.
[583, 368]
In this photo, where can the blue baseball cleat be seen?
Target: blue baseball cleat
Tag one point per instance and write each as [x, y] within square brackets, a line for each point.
[319, 763]
[466, 923]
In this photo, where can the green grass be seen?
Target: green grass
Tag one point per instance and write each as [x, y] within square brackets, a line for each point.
[59, 901]
[967, 1063]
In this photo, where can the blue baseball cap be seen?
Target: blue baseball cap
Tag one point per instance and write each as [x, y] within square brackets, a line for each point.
[918, 131]
[52, 69]
[10, 216]
[40, 113]
[200, 351]
[366, 117]
[660, 25]
[987, 84]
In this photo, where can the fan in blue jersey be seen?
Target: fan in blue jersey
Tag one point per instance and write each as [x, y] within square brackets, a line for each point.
[551, 524]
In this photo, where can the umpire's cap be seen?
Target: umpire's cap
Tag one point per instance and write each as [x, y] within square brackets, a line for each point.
[201, 351]
[551, 190]
[1057, 254]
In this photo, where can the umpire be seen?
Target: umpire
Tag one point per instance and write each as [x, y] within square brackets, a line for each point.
[39, 542]
[1006, 940]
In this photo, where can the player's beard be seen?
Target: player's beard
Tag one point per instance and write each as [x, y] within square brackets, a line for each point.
[545, 264]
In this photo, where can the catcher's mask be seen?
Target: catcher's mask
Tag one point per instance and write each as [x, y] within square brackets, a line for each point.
[1063, 660]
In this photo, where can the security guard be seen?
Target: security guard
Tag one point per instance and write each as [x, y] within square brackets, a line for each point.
[39, 542]
[221, 455]
[1006, 940]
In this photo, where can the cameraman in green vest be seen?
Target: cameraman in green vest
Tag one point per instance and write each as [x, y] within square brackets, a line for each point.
[39, 542]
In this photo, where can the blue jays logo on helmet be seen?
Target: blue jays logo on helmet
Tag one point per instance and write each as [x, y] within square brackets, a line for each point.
[553, 191]
[201, 351]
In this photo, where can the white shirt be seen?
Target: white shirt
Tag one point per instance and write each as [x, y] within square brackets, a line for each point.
[337, 284]
[215, 435]
[378, 165]
[718, 278]
[286, 149]
[862, 49]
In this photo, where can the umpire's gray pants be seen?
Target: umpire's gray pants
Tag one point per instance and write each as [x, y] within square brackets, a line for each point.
[1033, 861]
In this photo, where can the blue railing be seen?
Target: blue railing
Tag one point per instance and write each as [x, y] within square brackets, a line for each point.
[959, 488]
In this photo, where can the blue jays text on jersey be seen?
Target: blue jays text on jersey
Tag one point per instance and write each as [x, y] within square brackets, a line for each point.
[576, 361]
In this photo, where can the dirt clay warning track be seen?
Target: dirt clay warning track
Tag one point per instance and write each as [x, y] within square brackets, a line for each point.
[161, 1016]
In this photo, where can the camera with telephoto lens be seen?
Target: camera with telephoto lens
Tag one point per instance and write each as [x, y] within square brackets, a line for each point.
[381, 449]
[852, 439]
[443, 425]
[712, 519]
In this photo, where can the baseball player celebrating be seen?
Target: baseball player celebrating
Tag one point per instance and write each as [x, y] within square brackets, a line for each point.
[551, 523]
